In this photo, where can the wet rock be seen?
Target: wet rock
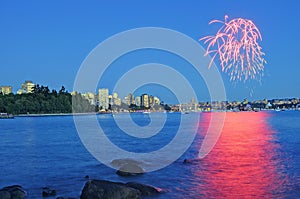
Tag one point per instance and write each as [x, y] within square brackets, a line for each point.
[13, 192]
[128, 167]
[98, 189]
[146, 190]
[4, 195]
[191, 161]
[47, 192]
[121, 162]
[130, 170]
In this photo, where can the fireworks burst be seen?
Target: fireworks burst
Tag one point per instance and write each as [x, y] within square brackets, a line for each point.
[236, 45]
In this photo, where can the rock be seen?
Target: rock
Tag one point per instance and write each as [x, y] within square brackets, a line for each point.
[187, 161]
[130, 170]
[48, 192]
[64, 198]
[121, 162]
[13, 192]
[191, 161]
[98, 189]
[146, 190]
[128, 167]
[4, 195]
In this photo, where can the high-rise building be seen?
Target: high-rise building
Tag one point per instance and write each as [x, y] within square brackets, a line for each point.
[145, 100]
[138, 101]
[5, 90]
[115, 95]
[27, 87]
[129, 99]
[116, 100]
[103, 98]
[151, 100]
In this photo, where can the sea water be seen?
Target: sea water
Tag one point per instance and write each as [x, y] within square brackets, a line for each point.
[256, 156]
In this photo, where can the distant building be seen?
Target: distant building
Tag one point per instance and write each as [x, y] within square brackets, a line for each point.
[145, 100]
[73, 93]
[156, 100]
[103, 98]
[110, 99]
[27, 87]
[116, 100]
[129, 99]
[151, 100]
[90, 97]
[5, 90]
[138, 101]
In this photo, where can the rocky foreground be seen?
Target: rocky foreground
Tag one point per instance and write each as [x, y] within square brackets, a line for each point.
[93, 189]
[98, 189]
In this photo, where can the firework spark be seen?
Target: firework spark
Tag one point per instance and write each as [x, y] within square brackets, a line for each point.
[236, 46]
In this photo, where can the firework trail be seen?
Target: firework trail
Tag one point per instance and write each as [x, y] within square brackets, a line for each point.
[236, 46]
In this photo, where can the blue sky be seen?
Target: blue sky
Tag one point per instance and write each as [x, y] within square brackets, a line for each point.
[46, 41]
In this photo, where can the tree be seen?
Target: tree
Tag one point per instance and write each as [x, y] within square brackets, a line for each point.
[62, 90]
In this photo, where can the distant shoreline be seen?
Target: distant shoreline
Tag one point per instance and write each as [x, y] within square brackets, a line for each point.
[96, 113]
[52, 114]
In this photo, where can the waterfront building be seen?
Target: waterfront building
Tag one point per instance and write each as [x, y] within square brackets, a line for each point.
[103, 98]
[27, 87]
[5, 90]
[73, 93]
[156, 100]
[138, 101]
[129, 99]
[151, 100]
[110, 99]
[116, 100]
[90, 97]
[145, 100]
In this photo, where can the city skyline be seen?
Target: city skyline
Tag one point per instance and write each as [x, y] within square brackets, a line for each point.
[104, 98]
[41, 42]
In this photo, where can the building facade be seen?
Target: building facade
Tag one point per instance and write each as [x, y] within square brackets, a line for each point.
[145, 100]
[5, 90]
[90, 97]
[27, 87]
[103, 98]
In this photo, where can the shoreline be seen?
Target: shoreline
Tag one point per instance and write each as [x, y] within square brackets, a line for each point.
[52, 114]
[94, 113]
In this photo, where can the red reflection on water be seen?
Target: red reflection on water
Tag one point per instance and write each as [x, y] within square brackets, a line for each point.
[242, 164]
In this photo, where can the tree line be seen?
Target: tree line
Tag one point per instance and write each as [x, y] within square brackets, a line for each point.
[44, 101]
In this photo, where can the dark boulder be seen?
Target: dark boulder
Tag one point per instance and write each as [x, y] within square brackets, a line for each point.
[120, 162]
[191, 161]
[47, 192]
[146, 190]
[130, 169]
[100, 189]
[12, 192]
[5, 195]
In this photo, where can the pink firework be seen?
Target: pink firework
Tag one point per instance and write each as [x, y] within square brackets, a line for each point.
[236, 45]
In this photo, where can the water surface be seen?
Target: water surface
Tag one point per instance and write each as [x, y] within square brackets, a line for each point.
[257, 156]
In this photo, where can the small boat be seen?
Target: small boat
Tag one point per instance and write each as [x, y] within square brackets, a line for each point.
[6, 116]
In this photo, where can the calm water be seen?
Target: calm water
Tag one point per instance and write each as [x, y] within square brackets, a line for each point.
[257, 156]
